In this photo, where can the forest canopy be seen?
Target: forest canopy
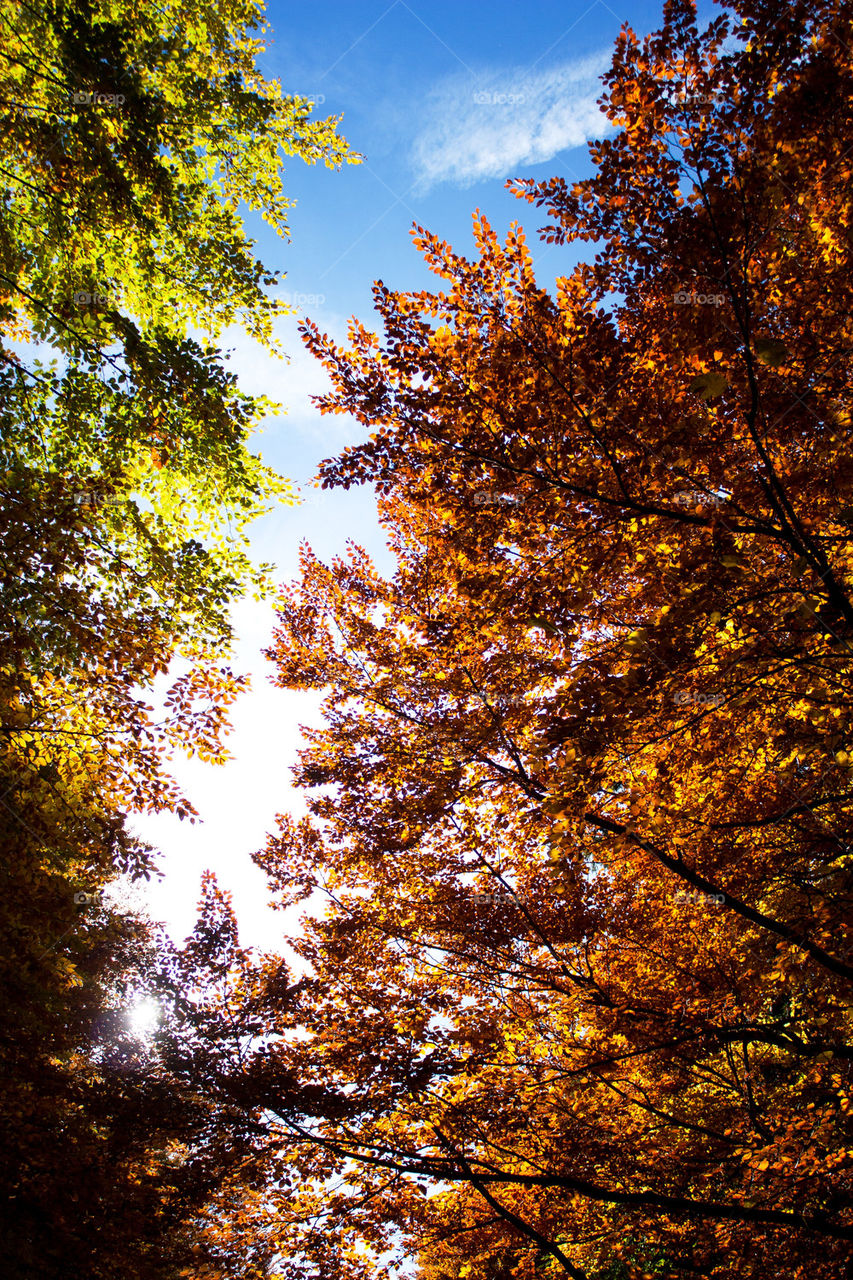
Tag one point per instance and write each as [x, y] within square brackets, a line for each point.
[578, 998]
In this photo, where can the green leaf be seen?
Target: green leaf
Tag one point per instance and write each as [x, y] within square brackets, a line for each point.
[771, 352]
[708, 385]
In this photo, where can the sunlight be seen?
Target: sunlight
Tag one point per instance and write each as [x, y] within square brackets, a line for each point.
[144, 1017]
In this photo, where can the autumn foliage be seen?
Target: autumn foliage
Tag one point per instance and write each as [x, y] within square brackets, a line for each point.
[578, 1000]
[581, 807]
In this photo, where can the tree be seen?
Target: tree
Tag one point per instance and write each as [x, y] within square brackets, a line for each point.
[120, 230]
[582, 802]
[131, 137]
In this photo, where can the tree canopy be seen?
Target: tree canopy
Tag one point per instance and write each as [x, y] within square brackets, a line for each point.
[135, 138]
[581, 803]
[580, 809]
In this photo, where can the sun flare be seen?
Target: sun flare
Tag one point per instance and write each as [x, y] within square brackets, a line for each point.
[144, 1017]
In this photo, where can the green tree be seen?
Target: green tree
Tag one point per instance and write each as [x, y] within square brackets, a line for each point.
[132, 140]
[131, 134]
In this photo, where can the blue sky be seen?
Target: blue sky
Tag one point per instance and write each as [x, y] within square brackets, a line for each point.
[446, 101]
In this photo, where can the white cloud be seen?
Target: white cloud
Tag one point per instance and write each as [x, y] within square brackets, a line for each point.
[487, 128]
[293, 380]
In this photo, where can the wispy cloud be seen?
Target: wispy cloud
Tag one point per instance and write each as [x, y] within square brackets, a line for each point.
[489, 127]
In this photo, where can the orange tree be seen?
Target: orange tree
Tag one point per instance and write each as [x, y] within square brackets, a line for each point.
[581, 805]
